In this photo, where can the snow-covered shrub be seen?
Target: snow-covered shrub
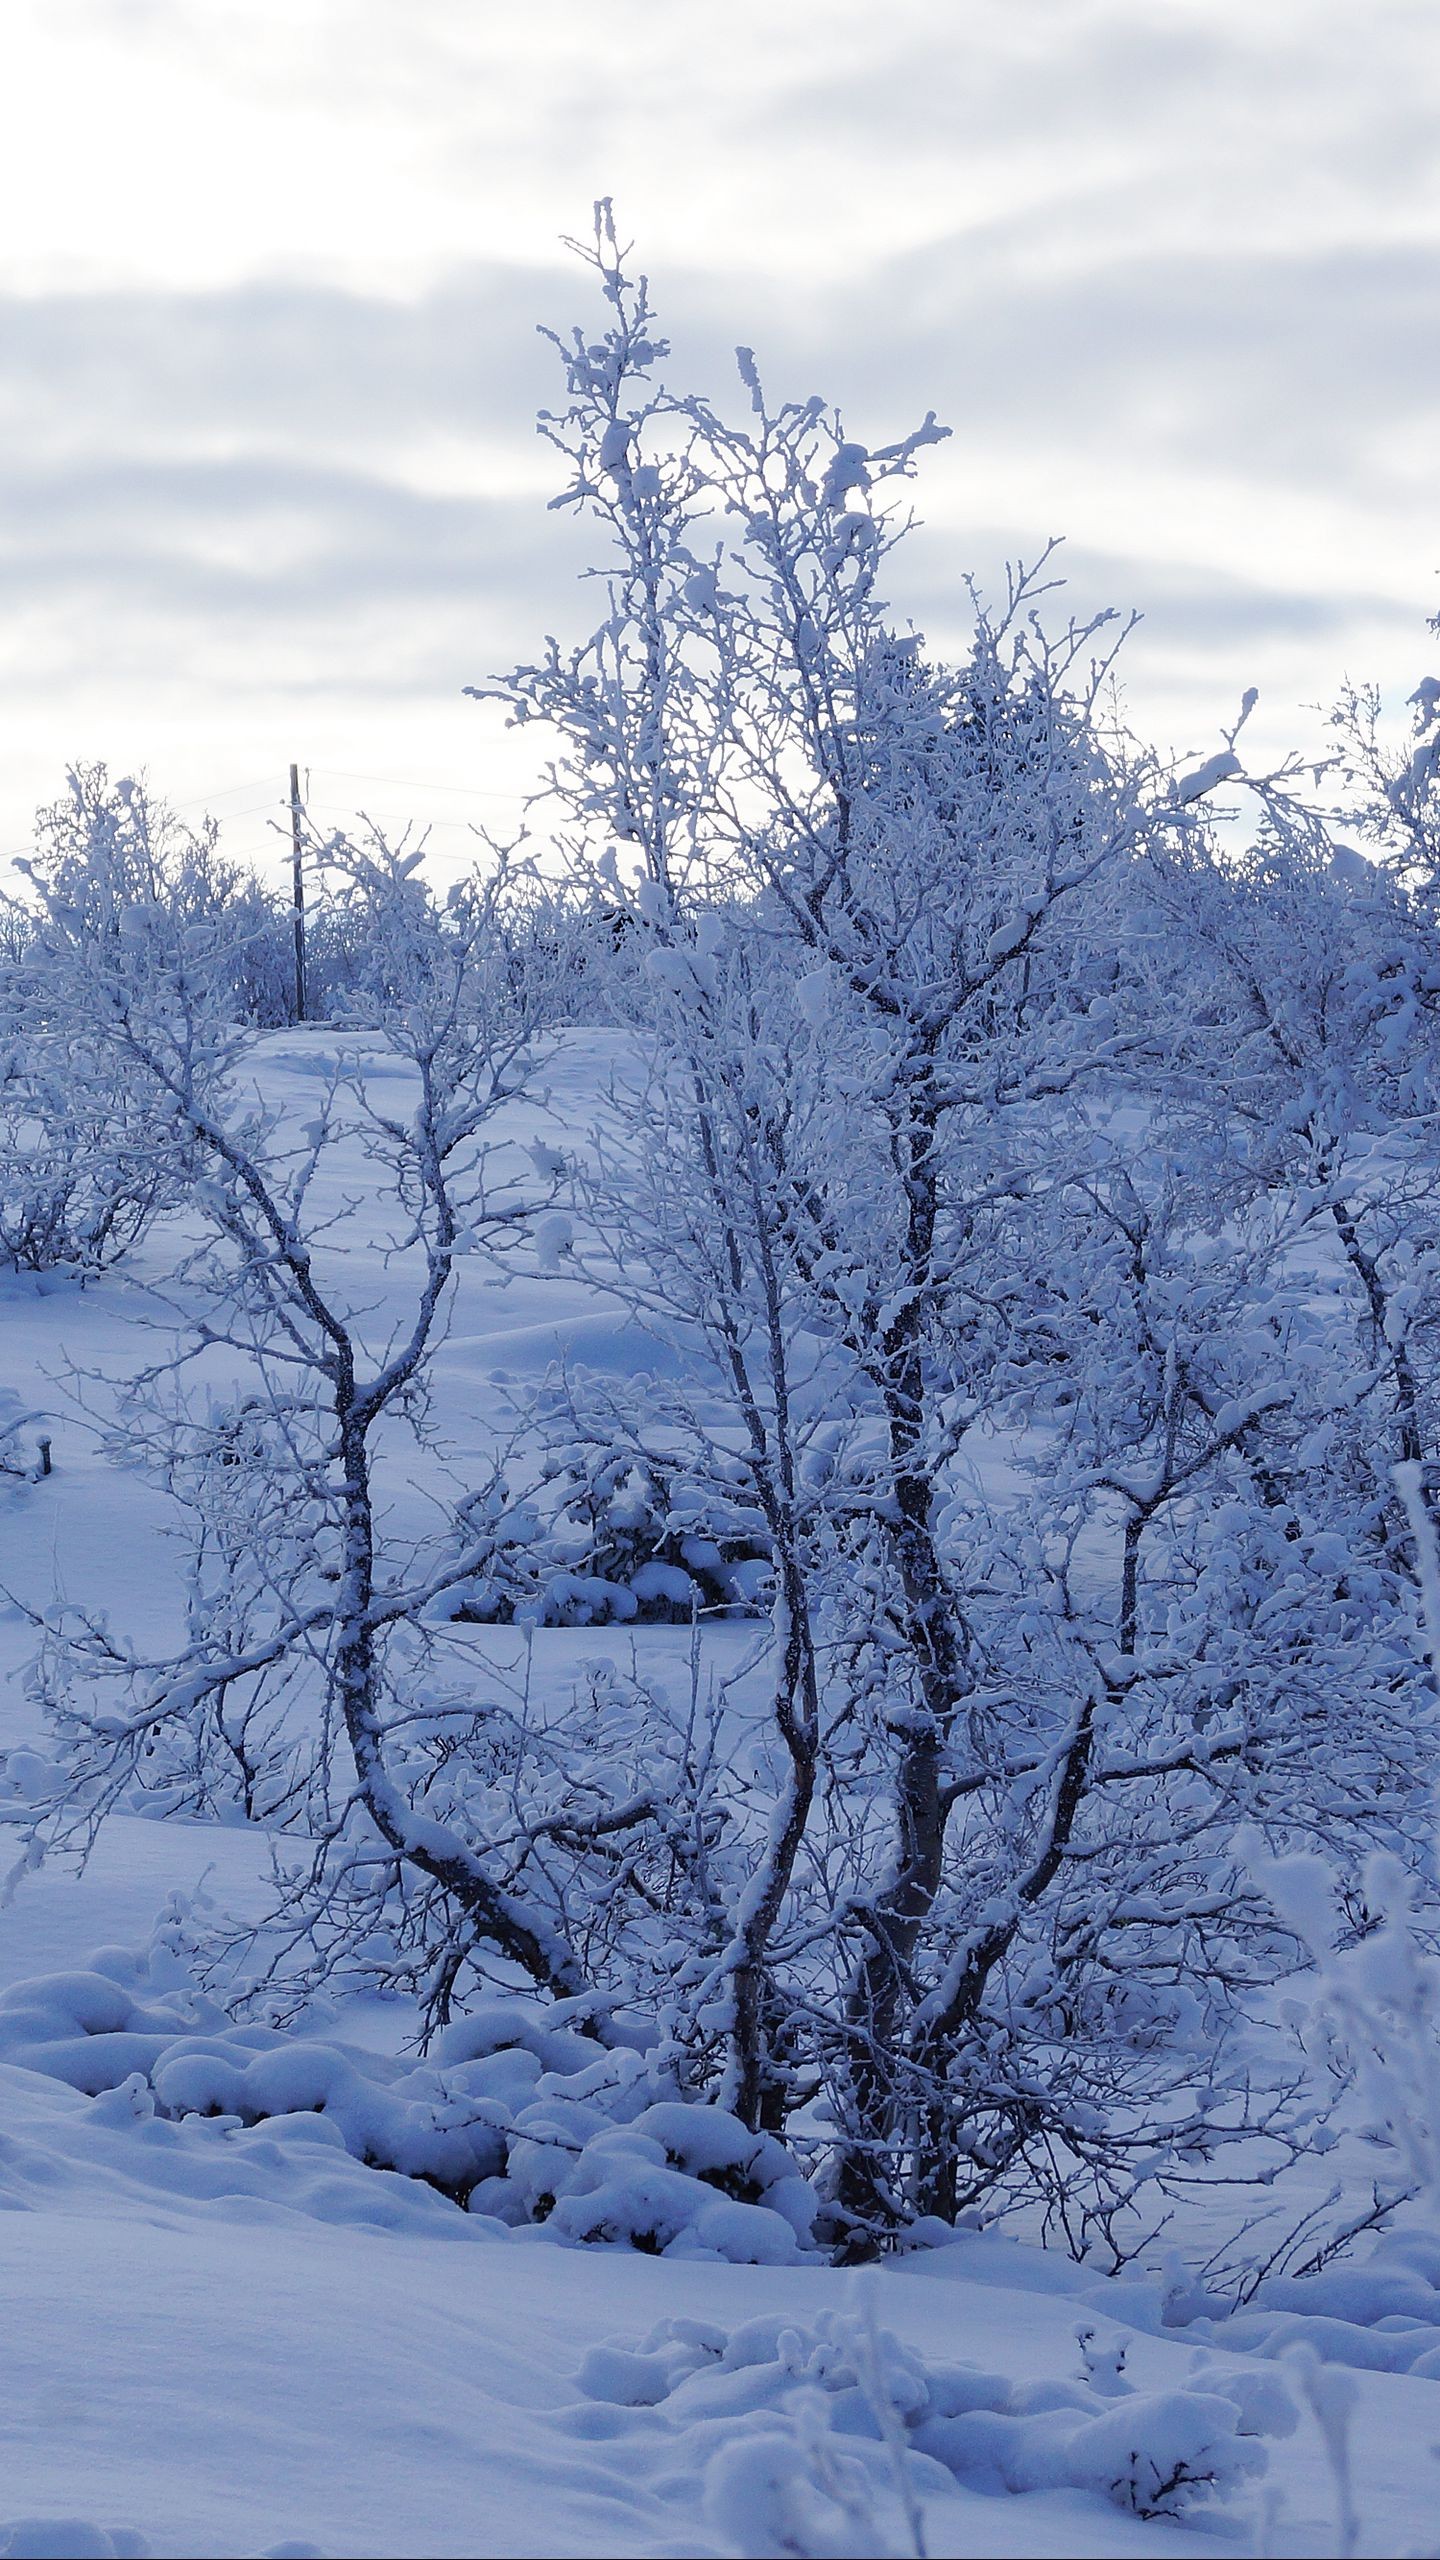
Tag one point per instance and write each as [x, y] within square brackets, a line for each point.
[1153, 2454]
[86, 1165]
[512, 2116]
[623, 2193]
[23, 1438]
[911, 2425]
[605, 1536]
[110, 850]
[127, 902]
[1370, 2018]
[673, 2181]
[99, 2034]
[791, 2486]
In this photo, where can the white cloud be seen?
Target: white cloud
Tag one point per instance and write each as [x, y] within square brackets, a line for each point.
[267, 362]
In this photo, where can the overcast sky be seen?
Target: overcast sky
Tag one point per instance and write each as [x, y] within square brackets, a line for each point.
[271, 270]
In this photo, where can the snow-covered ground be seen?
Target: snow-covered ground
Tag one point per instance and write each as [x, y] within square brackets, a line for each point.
[228, 2337]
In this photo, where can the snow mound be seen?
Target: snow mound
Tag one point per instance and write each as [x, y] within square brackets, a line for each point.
[68, 2538]
[72, 2538]
[115, 2156]
[816, 2440]
[1380, 2315]
[675, 2181]
[91, 2029]
[523, 2122]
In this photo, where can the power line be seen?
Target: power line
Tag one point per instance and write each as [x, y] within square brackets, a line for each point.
[402, 817]
[200, 799]
[275, 797]
[397, 782]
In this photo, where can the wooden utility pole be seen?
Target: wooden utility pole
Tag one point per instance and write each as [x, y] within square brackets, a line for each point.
[298, 898]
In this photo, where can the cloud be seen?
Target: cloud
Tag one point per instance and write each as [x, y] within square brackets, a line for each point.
[247, 574]
[268, 363]
[1289, 362]
[354, 136]
[274, 364]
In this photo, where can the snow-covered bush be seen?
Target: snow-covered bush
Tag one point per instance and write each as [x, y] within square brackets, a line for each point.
[111, 850]
[179, 2052]
[86, 1166]
[606, 1533]
[756, 2401]
[1369, 2019]
[512, 2116]
[674, 2181]
[106, 850]
[24, 1442]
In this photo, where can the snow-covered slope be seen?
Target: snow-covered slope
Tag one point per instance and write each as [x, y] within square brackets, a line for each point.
[225, 2336]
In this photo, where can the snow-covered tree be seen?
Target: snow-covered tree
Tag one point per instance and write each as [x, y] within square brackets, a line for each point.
[274, 1449]
[1039, 1259]
[894, 923]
